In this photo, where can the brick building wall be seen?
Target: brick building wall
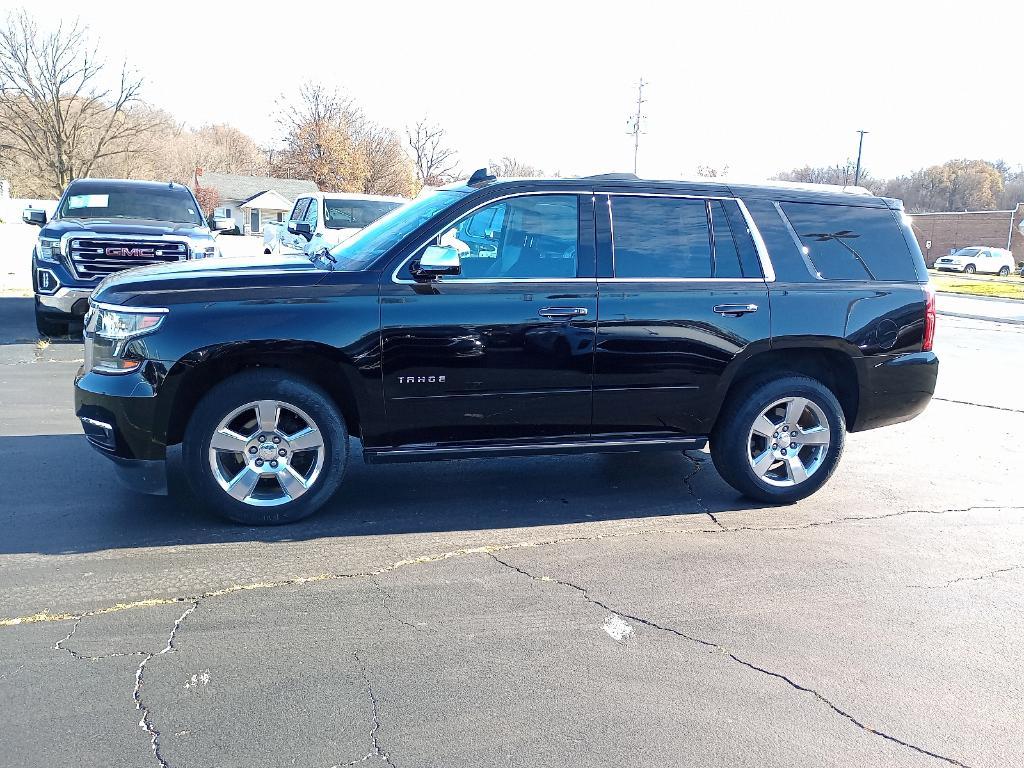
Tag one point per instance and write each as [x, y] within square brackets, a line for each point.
[950, 231]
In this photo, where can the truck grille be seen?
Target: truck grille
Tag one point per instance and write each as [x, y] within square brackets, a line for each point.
[94, 258]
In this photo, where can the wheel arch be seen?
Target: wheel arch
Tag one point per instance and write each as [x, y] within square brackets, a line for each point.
[196, 374]
[829, 361]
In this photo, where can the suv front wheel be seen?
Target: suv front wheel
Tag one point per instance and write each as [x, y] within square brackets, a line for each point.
[265, 448]
[779, 438]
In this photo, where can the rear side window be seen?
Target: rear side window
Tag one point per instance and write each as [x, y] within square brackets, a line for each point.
[671, 237]
[660, 237]
[845, 242]
[735, 252]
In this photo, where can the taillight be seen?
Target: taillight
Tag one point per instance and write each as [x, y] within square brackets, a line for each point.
[929, 319]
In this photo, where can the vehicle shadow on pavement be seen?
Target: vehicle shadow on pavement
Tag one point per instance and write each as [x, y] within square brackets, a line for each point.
[17, 323]
[62, 497]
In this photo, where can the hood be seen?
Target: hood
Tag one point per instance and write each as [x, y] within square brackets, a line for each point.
[186, 281]
[141, 227]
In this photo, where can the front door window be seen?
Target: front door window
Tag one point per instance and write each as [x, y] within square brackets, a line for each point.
[254, 221]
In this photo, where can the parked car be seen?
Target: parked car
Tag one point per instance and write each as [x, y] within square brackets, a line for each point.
[768, 320]
[102, 226]
[977, 258]
[324, 220]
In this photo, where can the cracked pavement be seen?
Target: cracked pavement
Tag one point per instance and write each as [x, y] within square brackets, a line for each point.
[601, 610]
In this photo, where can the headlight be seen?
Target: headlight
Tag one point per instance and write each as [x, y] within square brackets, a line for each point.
[48, 249]
[203, 249]
[108, 331]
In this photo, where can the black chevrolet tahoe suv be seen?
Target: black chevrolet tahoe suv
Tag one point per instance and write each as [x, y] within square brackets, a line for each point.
[521, 317]
[102, 226]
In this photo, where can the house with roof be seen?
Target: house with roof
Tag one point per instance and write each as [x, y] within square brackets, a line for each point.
[254, 200]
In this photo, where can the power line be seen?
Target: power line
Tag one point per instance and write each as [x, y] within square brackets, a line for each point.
[860, 148]
[636, 121]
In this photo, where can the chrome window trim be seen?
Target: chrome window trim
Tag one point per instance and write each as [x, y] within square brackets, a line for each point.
[486, 280]
[796, 241]
[759, 245]
[124, 309]
[762, 250]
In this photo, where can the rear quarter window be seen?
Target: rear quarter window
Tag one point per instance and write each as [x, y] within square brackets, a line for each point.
[844, 242]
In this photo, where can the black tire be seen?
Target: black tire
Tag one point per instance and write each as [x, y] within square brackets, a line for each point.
[48, 326]
[264, 384]
[970, 269]
[730, 443]
[1004, 271]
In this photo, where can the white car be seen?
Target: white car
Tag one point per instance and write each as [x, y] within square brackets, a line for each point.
[978, 258]
[323, 220]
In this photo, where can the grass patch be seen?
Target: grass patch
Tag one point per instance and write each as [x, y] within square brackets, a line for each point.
[950, 284]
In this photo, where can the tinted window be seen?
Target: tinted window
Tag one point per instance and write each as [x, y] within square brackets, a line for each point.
[851, 243]
[531, 236]
[660, 237]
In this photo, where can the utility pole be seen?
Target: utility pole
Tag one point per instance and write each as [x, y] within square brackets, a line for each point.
[635, 122]
[860, 148]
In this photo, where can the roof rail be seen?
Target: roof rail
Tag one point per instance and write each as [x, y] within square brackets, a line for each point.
[614, 176]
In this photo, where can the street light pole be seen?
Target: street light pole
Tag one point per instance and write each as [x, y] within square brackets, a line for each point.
[860, 148]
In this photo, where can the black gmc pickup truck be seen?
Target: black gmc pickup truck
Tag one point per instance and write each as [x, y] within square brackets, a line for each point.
[103, 226]
[519, 317]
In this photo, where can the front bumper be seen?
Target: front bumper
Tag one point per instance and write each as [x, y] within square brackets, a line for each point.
[119, 414]
[58, 291]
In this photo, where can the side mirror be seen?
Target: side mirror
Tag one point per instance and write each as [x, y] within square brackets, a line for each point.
[438, 260]
[34, 217]
[301, 228]
[222, 225]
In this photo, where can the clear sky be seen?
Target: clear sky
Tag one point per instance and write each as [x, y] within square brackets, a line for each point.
[758, 86]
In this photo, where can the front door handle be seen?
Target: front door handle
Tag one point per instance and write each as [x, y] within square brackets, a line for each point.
[734, 310]
[562, 313]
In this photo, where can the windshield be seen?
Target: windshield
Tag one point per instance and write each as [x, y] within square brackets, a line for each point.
[100, 201]
[355, 214]
[968, 252]
[364, 247]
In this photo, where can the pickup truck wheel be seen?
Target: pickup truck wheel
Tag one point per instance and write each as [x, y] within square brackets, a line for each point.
[779, 438]
[265, 448]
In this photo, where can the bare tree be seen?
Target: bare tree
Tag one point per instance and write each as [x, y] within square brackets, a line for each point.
[319, 131]
[434, 160]
[387, 167]
[510, 167]
[57, 120]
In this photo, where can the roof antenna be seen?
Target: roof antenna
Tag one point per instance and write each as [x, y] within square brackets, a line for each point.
[480, 177]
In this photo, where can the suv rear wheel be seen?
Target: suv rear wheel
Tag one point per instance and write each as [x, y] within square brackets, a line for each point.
[1004, 271]
[779, 438]
[265, 448]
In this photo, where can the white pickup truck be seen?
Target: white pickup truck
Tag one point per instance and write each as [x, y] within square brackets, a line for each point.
[323, 220]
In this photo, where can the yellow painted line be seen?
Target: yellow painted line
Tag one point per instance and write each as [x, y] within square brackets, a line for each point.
[46, 616]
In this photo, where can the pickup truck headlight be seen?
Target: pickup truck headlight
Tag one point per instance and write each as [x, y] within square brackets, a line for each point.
[48, 249]
[108, 331]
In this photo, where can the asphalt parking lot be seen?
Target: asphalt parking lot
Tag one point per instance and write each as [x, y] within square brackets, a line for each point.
[604, 610]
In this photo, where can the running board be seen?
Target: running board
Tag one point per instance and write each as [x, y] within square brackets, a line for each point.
[611, 445]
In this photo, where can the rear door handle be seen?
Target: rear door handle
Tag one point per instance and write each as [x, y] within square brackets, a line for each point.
[562, 313]
[735, 310]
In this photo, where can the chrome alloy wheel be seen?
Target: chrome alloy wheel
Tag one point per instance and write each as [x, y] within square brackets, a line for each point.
[266, 453]
[788, 442]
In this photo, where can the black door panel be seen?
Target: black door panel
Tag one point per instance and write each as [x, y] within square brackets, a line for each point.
[661, 349]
